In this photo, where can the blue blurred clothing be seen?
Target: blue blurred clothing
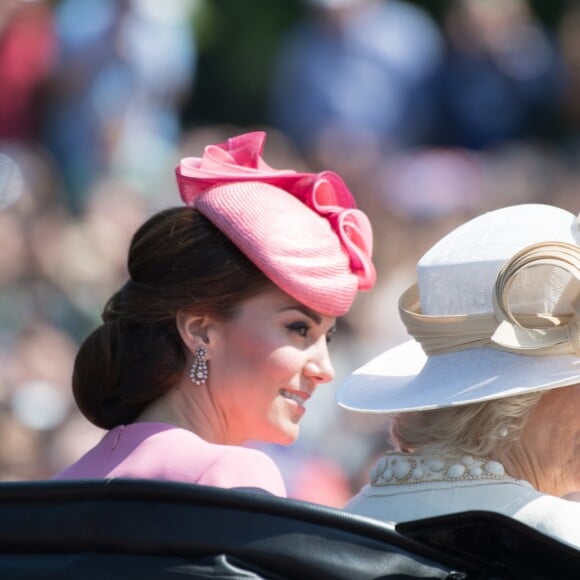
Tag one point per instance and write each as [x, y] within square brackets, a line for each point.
[123, 68]
[372, 75]
[508, 93]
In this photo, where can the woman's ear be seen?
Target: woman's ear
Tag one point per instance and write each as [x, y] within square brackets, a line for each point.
[193, 329]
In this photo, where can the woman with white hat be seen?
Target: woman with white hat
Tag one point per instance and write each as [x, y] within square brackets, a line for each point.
[484, 401]
[219, 336]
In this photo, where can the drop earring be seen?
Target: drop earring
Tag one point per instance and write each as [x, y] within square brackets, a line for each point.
[198, 372]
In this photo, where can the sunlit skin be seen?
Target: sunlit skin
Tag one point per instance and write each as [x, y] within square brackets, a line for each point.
[548, 451]
[264, 365]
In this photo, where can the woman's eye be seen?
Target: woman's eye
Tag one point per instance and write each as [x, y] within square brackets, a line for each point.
[330, 334]
[300, 328]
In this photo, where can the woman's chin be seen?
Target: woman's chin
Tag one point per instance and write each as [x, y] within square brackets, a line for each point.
[287, 436]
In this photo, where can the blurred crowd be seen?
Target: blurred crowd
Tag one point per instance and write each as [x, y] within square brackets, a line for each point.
[430, 121]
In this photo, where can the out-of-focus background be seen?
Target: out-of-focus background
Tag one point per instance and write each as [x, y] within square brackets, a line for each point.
[433, 111]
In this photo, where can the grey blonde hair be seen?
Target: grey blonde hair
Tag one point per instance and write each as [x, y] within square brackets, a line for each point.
[477, 428]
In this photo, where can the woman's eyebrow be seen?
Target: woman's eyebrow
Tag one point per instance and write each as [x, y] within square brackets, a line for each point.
[306, 311]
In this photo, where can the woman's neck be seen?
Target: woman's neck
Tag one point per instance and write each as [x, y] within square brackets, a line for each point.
[175, 409]
[544, 473]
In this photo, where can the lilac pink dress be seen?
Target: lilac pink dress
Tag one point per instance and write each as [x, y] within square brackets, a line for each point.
[163, 451]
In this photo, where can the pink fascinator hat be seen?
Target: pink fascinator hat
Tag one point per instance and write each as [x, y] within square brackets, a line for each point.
[302, 230]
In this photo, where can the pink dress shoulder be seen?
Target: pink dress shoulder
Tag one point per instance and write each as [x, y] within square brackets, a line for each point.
[162, 451]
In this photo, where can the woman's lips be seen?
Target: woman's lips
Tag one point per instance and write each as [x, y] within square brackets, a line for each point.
[299, 397]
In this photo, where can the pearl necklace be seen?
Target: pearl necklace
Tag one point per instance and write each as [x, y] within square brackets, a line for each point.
[409, 468]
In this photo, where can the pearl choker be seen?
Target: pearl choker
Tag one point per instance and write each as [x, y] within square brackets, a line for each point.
[407, 468]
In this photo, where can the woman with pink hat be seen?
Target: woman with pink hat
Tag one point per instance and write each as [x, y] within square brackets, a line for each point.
[483, 402]
[220, 334]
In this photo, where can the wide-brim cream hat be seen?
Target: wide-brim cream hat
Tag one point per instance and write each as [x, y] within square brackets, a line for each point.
[496, 307]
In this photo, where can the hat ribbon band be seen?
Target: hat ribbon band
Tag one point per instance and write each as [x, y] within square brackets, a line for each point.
[511, 333]
[530, 334]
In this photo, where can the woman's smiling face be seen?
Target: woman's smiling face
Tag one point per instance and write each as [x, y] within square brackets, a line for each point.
[265, 363]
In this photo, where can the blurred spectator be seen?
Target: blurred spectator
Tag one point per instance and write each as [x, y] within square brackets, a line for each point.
[35, 395]
[318, 479]
[569, 38]
[502, 79]
[357, 74]
[27, 47]
[429, 183]
[11, 181]
[124, 67]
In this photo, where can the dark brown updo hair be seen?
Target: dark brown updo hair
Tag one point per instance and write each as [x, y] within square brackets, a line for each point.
[178, 260]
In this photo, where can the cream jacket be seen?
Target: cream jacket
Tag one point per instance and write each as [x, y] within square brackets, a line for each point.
[408, 487]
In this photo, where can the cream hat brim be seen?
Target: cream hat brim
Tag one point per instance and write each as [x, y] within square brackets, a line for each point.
[405, 379]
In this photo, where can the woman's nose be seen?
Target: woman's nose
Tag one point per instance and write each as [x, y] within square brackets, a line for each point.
[319, 366]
